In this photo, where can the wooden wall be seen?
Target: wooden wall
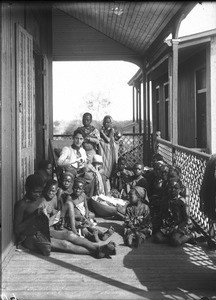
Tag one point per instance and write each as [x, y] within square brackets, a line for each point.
[186, 99]
[38, 23]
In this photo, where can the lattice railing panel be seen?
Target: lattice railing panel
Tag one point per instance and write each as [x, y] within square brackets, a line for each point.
[166, 152]
[131, 147]
[192, 169]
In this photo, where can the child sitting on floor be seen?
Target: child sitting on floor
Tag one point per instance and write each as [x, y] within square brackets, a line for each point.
[83, 217]
[137, 223]
[176, 226]
[50, 201]
[119, 187]
[63, 193]
[137, 178]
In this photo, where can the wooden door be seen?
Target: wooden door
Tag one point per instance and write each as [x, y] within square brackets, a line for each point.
[25, 108]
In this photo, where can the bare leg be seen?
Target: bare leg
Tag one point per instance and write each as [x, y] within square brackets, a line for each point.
[65, 246]
[75, 239]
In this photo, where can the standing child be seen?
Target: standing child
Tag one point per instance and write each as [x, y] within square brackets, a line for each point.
[108, 146]
[83, 217]
[137, 223]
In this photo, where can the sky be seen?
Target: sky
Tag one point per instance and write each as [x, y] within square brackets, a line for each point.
[74, 82]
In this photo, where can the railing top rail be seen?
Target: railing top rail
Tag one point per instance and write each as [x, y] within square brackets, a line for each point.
[124, 133]
[182, 148]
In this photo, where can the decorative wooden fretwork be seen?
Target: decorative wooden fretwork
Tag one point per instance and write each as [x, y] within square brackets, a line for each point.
[131, 148]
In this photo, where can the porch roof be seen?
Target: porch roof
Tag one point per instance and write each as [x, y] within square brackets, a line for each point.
[113, 30]
[188, 46]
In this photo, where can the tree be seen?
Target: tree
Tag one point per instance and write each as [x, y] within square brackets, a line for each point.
[98, 105]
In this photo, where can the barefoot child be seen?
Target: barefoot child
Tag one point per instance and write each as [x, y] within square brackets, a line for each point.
[83, 217]
[137, 223]
[176, 227]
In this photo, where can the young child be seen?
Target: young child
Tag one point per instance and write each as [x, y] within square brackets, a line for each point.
[107, 131]
[50, 201]
[119, 186]
[176, 227]
[45, 170]
[137, 178]
[137, 223]
[63, 193]
[83, 217]
[91, 136]
[95, 171]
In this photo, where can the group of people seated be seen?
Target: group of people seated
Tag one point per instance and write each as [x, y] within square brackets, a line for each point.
[56, 214]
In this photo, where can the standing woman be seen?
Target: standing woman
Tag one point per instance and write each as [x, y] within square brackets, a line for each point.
[108, 146]
[91, 136]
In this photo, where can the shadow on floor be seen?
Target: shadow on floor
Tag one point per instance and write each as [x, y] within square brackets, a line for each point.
[182, 270]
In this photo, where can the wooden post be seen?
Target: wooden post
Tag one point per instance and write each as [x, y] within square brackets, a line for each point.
[133, 109]
[173, 92]
[212, 95]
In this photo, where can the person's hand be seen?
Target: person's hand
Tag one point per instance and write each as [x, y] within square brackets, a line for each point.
[41, 210]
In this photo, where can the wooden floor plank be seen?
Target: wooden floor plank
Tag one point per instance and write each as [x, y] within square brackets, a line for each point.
[152, 271]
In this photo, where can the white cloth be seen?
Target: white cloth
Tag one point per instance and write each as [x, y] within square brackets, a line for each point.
[70, 156]
[81, 208]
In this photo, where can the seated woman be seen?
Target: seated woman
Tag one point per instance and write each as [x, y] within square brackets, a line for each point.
[176, 227]
[74, 158]
[108, 146]
[91, 136]
[32, 230]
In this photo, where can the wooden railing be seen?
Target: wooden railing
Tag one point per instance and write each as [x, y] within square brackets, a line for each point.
[132, 146]
[192, 164]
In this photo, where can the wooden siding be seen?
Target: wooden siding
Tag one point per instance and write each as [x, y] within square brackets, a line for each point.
[74, 40]
[137, 25]
[152, 271]
[8, 133]
[186, 99]
[11, 14]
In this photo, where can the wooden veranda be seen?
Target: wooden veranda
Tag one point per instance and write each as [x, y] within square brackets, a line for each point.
[152, 271]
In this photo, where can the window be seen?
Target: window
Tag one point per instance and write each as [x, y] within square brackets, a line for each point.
[157, 99]
[166, 99]
[201, 131]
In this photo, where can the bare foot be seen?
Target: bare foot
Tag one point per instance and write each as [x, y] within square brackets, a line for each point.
[108, 233]
[95, 236]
